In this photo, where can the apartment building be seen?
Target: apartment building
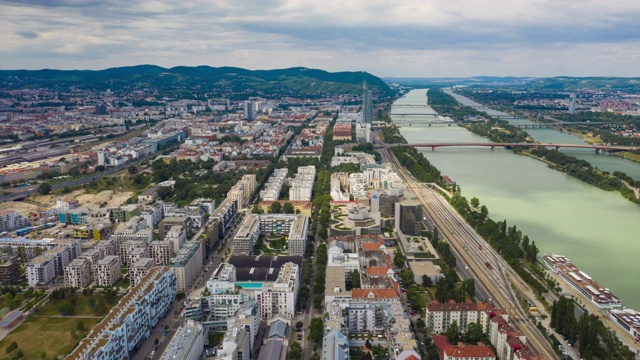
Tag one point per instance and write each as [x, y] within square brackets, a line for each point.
[187, 264]
[9, 269]
[126, 249]
[161, 251]
[106, 247]
[107, 271]
[224, 299]
[139, 269]
[187, 343]
[279, 297]
[298, 235]
[93, 255]
[440, 315]
[271, 189]
[177, 234]
[129, 323]
[12, 220]
[78, 273]
[247, 235]
[40, 271]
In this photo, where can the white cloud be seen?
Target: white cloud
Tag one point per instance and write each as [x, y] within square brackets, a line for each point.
[387, 38]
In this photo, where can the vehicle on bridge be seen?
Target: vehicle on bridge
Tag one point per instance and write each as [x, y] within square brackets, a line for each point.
[488, 265]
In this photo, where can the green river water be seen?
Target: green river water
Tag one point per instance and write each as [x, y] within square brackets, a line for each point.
[598, 230]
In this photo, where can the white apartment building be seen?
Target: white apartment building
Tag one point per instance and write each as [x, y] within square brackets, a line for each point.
[271, 189]
[29, 249]
[107, 271]
[224, 298]
[67, 204]
[177, 234]
[78, 273]
[130, 322]
[298, 235]
[302, 185]
[187, 343]
[337, 257]
[279, 297]
[247, 235]
[153, 215]
[358, 185]
[187, 264]
[40, 271]
[440, 315]
[12, 220]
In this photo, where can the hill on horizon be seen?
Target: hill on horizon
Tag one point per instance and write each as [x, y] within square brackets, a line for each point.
[213, 81]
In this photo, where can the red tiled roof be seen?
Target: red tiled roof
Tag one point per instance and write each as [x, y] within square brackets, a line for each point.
[470, 351]
[453, 306]
[374, 293]
[371, 246]
[377, 271]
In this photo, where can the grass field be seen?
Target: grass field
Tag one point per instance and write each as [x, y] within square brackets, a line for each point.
[629, 156]
[49, 332]
[54, 336]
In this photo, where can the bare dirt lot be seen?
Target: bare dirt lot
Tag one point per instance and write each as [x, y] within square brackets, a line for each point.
[21, 207]
[107, 197]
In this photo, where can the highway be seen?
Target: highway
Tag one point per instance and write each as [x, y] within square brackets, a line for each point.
[476, 252]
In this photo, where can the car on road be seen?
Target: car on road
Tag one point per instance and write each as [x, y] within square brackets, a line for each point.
[466, 268]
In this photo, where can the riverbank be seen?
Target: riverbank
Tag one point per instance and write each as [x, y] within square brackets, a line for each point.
[589, 137]
[629, 156]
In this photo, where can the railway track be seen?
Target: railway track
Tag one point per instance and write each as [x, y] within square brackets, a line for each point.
[476, 252]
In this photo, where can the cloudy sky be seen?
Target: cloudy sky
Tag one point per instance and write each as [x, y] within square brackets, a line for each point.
[411, 38]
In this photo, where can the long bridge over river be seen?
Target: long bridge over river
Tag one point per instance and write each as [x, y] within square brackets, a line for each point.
[597, 148]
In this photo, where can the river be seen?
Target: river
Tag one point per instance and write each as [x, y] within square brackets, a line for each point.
[596, 229]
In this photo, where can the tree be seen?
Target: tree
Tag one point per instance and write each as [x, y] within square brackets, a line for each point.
[426, 281]
[475, 202]
[474, 333]
[67, 309]
[316, 330]
[257, 209]
[355, 279]
[398, 259]
[80, 327]
[368, 344]
[275, 208]
[295, 351]
[100, 168]
[453, 333]
[11, 347]
[44, 188]
[288, 208]
[299, 325]
[156, 341]
[132, 169]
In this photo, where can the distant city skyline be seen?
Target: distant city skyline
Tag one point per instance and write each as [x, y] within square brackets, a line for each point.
[408, 39]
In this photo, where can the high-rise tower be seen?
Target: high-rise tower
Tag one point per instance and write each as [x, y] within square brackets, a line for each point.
[367, 104]
[572, 104]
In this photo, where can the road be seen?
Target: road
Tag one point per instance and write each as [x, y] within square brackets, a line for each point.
[476, 253]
